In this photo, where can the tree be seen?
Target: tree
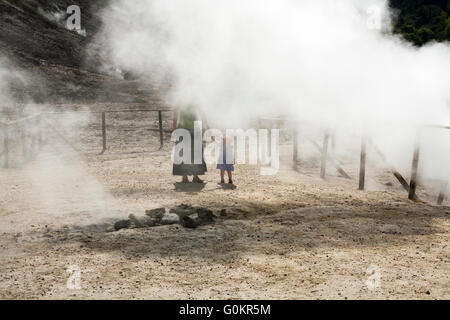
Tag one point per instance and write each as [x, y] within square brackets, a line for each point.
[422, 21]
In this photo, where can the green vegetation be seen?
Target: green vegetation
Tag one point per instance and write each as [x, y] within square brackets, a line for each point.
[421, 21]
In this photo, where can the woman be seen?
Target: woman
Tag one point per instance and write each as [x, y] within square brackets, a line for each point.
[184, 118]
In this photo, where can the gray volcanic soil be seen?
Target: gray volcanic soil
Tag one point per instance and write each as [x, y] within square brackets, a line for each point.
[289, 236]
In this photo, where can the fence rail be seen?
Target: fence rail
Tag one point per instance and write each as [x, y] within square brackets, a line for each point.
[325, 157]
[410, 188]
[6, 125]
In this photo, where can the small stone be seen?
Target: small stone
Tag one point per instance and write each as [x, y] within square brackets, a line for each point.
[170, 218]
[389, 184]
[223, 212]
[181, 212]
[190, 221]
[428, 292]
[155, 213]
[122, 224]
[149, 222]
[390, 229]
[204, 214]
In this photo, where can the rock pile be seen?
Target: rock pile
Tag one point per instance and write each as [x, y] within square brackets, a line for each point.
[184, 215]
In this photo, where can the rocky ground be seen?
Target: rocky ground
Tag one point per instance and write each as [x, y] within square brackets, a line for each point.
[289, 236]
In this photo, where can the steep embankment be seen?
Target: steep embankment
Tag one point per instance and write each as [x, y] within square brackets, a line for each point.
[59, 63]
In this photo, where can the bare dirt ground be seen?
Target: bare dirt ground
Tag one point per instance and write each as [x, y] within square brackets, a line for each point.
[290, 236]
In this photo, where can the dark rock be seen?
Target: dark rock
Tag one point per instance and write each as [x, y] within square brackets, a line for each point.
[181, 212]
[192, 217]
[190, 221]
[223, 212]
[390, 229]
[156, 213]
[149, 222]
[122, 224]
[182, 207]
[389, 184]
[204, 214]
[170, 218]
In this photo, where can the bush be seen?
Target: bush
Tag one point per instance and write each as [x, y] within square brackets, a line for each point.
[421, 21]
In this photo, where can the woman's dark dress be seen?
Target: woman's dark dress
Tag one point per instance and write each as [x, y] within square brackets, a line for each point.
[186, 120]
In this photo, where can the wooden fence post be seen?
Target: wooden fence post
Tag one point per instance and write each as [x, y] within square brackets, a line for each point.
[161, 132]
[362, 164]
[23, 136]
[33, 138]
[323, 167]
[40, 129]
[414, 169]
[295, 149]
[103, 132]
[6, 146]
[441, 196]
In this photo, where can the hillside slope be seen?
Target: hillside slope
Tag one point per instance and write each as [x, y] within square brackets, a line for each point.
[34, 38]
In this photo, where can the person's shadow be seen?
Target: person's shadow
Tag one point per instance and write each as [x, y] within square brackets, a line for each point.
[189, 187]
[227, 186]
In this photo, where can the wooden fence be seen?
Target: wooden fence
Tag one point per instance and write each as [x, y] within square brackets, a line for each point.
[325, 157]
[39, 120]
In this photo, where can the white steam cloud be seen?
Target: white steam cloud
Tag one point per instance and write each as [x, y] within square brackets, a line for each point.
[332, 64]
[53, 185]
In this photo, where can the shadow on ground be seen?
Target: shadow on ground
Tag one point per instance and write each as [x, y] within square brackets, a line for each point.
[291, 230]
[189, 187]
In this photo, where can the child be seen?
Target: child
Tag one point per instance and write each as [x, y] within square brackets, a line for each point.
[226, 159]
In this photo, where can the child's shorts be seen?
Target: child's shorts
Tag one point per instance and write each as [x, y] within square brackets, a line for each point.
[226, 167]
